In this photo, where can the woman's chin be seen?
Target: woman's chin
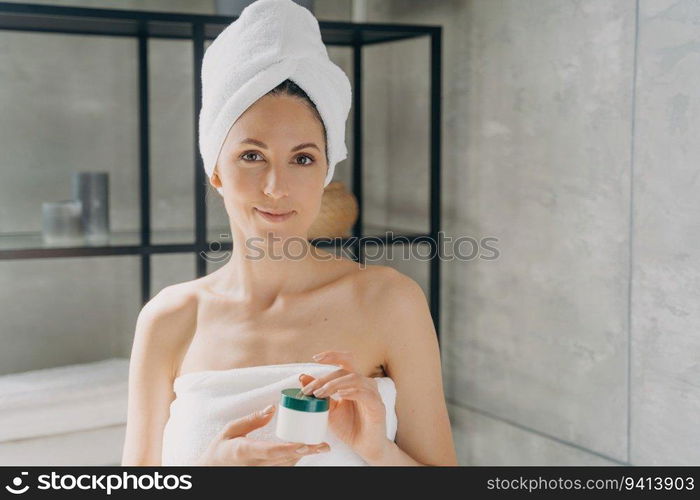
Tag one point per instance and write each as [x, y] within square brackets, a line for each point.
[277, 230]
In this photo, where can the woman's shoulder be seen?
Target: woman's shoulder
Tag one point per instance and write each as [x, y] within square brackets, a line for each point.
[382, 277]
[177, 298]
[184, 297]
[164, 325]
[381, 285]
[171, 313]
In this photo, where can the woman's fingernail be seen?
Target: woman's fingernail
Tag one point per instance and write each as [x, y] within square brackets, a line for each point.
[303, 449]
[268, 409]
[316, 357]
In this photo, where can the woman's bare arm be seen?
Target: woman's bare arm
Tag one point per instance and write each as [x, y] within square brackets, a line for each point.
[162, 326]
[413, 362]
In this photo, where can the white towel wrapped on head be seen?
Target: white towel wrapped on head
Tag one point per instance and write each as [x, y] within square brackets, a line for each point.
[271, 41]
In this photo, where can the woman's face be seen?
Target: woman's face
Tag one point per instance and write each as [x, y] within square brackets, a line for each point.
[274, 174]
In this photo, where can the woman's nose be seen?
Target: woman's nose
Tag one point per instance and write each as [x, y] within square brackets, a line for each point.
[276, 185]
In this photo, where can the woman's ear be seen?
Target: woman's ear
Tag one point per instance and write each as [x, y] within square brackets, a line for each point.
[214, 179]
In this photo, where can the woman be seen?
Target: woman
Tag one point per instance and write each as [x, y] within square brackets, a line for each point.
[279, 300]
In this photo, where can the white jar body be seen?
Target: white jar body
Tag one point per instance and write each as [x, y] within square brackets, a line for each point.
[301, 426]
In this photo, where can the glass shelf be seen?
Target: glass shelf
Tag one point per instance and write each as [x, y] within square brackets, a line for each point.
[34, 240]
[222, 235]
[32, 245]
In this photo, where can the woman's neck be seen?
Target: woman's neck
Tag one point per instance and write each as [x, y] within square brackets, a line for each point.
[261, 275]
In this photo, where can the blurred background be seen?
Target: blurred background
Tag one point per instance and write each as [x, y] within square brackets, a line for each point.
[568, 133]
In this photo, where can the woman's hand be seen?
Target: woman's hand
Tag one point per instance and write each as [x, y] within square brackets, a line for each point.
[358, 418]
[231, 447]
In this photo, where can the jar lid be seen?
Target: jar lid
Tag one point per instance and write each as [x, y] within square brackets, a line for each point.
[294, 399]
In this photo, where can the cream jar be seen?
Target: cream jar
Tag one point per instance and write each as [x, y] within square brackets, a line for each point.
[302, 418]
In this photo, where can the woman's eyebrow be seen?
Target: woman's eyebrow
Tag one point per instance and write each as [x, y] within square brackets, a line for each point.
[256, 142]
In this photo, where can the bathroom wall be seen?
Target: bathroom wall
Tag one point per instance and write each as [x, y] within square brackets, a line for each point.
[568, 134]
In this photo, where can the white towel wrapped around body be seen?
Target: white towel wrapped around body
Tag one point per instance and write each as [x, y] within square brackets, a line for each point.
[206, 401]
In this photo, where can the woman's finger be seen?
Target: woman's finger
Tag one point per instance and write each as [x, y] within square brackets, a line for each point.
[345, 359]
[290, 463]
[351, 380]
[309, 387]
[367, 399]
[274, 451]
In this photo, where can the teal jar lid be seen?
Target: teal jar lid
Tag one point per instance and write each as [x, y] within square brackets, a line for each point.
[294, 399]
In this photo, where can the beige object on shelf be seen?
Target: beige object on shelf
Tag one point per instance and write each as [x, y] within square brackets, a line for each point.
[339, 211]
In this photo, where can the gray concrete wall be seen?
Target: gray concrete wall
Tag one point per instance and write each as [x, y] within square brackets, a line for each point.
[569, 134]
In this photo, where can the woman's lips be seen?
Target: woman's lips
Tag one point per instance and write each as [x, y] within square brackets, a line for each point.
[274, 218]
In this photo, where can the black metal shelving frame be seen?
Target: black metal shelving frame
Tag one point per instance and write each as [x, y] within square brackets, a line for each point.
[199, 28]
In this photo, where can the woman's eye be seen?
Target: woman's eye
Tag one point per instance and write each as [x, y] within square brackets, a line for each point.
[246, 154]
[311, 160]
[246, 157]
